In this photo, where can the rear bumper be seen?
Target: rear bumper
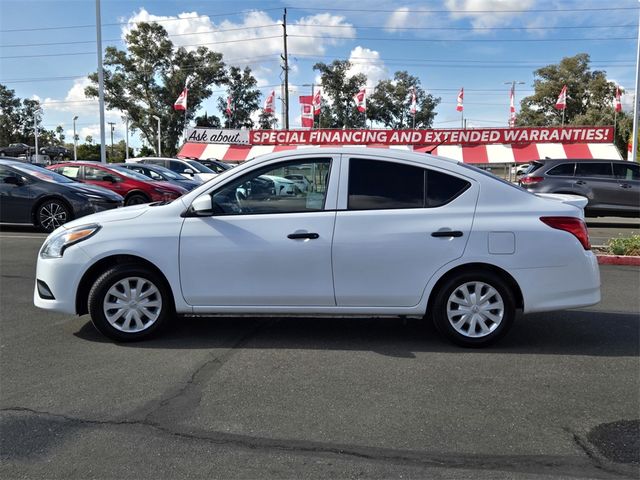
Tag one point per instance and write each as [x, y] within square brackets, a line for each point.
[574, 285]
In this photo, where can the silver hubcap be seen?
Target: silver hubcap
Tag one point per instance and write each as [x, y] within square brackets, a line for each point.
[475, 309]
[132, 304]
[52, 215]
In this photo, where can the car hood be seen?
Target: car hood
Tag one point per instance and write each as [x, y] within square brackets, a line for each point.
[94, 189]
[115, 215]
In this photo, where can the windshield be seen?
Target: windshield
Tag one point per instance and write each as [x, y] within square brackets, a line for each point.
[168, 173]
[199, 167]
[130, 173]
[43, 174]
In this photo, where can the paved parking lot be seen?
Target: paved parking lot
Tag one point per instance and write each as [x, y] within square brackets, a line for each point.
[316, 398]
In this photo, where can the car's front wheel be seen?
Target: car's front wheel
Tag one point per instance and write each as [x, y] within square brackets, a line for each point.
[474, 309]
[129, 303]
[50, 214]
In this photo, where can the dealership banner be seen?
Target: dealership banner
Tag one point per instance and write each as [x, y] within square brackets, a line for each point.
[476, 136]
[218, 135]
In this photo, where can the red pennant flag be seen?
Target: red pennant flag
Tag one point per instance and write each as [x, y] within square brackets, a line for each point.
[306, 106]
[269, 102]
[414, 106]
[361, 100]
[561, 103]
[512, 110]
[228, 109]
[181, 102]
[460, 99]
[317, 102]
[618, 105]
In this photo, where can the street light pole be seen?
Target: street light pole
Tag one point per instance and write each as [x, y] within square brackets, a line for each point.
[636, 105]
[112, 124]
[159, 153]
[75, 140]
[35, 131]
[103, 150]
[126, 141]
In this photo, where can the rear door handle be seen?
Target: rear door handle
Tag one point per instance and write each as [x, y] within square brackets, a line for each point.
[303, 235]
[580, 182]
[625, 185]
[447, 233]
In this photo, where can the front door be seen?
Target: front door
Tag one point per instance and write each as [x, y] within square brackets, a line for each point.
[262, 247]
[15, 197]
[399, 224]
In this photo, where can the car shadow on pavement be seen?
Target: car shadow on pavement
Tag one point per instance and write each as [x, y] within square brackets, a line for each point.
[593, 333]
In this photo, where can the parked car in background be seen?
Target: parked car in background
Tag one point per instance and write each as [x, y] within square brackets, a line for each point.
[16, 149]
[161, 174]
[302, 182]
[55, 152]
[134, 187]
[215, 165]
[37, 196]
[387, 232]
[187, 168]
[611, 186]
[519, 170]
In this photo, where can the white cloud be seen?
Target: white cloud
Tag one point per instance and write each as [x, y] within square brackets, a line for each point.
[367, 61]
[257, 35]
[464, 9]
[398, 19]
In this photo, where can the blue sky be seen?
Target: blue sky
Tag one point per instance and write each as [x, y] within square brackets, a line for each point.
[448, 44]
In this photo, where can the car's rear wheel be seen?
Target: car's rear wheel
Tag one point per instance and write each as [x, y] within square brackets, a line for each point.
[474, 309]
[129, 303]
[50, 214]
[136, 199]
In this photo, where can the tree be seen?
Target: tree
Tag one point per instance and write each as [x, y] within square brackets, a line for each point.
[9, 116]
[208, 121]
[340, 89]
[391, 101]
[146, 79]
[267, 121]
[589, 98]
[245, 98]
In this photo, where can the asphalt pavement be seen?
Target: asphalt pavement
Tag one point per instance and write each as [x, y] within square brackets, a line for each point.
[316, 398]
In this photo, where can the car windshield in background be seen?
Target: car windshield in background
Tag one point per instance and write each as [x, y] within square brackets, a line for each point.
[167, 173]
[43, 174]
[199, 167]
[130, 173]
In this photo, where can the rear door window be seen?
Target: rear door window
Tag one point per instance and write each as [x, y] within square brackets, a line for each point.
[565, 170]
[594, 169]
[626, 172]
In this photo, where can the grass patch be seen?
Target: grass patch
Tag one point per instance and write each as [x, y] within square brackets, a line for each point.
[625, 245]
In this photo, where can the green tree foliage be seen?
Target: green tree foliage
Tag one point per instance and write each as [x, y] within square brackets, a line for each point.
[590, 98]
[245, 98]
[340, 88]
[391, 101]
[208, 121]
[9, 116]
[146, 79]
[267, 121]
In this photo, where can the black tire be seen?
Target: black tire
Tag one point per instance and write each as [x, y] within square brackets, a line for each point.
[136, 199]
[52, 213]
[120, 331]
[465, 336]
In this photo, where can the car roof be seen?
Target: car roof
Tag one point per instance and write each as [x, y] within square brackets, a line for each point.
[10, 161]
[560, 160]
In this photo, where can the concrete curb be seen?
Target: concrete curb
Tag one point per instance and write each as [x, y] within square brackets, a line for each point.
[618, 260]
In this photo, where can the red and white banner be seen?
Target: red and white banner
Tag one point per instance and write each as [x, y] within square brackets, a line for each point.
[269, 102]
[317, 102]
[561, 103]
[361, 100]
[479, 136]
[618, 104]
[306, 111]
[413, 108]
[460, 99]
[512, 110]
[181, 102]
[228, 109]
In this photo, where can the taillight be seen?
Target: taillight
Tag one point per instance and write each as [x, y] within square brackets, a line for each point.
[573, 225]
[530, 180]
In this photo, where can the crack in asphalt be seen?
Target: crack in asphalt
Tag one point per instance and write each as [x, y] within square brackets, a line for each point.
[568, 466]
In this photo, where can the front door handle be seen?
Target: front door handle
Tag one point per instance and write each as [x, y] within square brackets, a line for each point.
[303, 235]
[580, 182]
[447, 233]
[625, 185]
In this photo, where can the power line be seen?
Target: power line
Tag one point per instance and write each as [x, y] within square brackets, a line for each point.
[384, 27]
[468, 12]
[475, 40]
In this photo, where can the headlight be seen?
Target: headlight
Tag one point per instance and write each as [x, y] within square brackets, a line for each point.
[91, 196]
[56, 244]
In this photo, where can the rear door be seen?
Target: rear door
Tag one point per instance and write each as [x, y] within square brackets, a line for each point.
[596, 178]
[628, 183]
[397, 224]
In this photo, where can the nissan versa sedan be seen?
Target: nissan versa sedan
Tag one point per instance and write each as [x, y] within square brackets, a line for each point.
[33, 195]
[385, 233]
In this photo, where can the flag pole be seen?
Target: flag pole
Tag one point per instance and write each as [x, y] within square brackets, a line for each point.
[565, 107]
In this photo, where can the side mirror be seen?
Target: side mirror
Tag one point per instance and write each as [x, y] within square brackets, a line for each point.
[188, 171]
[14, 181]
[203, 205]
[109, 178]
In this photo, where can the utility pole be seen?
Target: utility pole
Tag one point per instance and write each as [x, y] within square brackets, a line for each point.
[103, 149]
[75, 140]
[112, 124]
[286, 72]
[636, 105]
[35, 131]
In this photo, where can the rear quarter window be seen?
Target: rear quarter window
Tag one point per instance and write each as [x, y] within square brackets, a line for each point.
[594, 169]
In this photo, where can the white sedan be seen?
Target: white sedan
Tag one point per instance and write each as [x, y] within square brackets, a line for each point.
[386, 233]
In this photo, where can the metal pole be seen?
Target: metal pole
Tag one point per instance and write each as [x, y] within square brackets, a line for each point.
[35, 131]
[313, 111]
[636, 104]
[286, 72]
[75, 140]
[103, 150]
[159, 150]
[126, 142]
[112, 125]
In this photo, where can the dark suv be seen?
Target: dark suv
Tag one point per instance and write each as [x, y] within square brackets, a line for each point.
[612, 186]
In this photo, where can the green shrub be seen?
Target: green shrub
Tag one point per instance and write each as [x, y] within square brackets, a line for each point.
[625, 245]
